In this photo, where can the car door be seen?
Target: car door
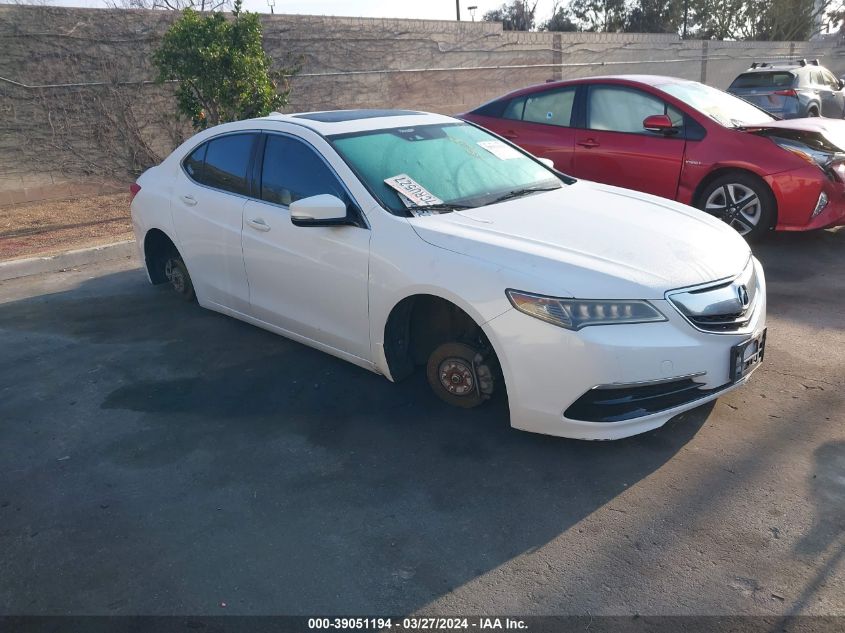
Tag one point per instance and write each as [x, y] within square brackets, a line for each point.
[833, 101]
[613, 148]
[540, 123]
[307, 280]
[207, 208]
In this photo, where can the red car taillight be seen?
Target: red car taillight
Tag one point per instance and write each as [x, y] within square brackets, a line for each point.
[786, 93]
[134, 188]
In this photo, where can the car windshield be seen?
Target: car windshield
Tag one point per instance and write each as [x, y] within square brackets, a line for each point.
[441, 167]
[723, 108]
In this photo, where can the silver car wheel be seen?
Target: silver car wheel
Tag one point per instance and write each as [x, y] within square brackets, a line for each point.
[737, 205]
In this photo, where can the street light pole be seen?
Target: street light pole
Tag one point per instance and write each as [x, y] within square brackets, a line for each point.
[458, 9]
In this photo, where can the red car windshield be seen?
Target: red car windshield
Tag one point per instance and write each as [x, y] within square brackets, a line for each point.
[723, 108]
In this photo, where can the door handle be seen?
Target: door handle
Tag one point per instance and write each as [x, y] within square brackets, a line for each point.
[589, 143]
[259, 224]
[510, 134]
[189, 200]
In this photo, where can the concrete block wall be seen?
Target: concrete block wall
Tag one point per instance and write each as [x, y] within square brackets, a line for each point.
[54, 136]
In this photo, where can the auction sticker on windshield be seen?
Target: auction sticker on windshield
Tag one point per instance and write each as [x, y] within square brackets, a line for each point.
[499, 149]
[411, 192]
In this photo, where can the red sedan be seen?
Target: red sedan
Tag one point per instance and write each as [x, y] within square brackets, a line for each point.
[686, 141]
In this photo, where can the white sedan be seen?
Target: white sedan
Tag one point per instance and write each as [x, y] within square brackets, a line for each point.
[398, 240]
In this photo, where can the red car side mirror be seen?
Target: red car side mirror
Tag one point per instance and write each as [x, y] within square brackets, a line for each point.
[659, 123]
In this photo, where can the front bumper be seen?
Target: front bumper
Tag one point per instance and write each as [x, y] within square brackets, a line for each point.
[797, 192]
[548, 369]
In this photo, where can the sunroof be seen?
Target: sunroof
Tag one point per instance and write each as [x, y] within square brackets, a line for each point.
[336, 116]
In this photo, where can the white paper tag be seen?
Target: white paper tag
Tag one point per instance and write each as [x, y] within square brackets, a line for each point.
[411, 192]
[499, 149]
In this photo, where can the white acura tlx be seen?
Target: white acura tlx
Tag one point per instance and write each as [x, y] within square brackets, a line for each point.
[398, 239]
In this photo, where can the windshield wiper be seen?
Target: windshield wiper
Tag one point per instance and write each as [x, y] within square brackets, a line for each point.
[518, 193]
[441, 206]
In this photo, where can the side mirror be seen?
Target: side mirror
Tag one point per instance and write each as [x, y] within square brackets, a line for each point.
[321, 210]
[548, 162]
[659, 123]
[841, 83]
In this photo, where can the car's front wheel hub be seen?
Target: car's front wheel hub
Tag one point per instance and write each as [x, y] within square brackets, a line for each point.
[456, 377]
[174, 275]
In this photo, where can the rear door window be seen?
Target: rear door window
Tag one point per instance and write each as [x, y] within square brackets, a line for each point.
[193, 164]
[226, 162]
[774, 80]
[553, 107]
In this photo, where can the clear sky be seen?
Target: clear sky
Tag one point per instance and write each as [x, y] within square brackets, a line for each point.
[424, 9]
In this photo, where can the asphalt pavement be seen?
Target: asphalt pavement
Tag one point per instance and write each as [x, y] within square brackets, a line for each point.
[158, 458]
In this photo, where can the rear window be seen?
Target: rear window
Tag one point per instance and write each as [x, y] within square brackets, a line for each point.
[763, 80]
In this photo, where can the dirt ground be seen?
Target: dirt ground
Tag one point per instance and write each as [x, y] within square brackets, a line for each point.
[53, 226]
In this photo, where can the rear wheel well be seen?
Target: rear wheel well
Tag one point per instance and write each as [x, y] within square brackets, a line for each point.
[417, 325]
[158, 248]
[714, 175]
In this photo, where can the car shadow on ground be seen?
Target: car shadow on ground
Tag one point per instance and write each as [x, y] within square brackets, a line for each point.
[212, 461]
[784, 255]
[804, 275]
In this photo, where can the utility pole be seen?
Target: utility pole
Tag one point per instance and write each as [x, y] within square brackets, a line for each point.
[458, 9]
[686, 12]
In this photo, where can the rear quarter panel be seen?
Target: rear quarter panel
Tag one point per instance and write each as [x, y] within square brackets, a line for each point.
[150, 209]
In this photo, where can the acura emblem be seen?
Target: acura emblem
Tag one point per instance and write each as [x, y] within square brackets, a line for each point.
[742, 294]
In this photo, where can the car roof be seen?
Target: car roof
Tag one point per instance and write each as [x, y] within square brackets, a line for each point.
[784, 65]
[654, 81]
[780, 68]
[331, 122]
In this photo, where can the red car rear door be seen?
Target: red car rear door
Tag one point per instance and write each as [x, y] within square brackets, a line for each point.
[539, 122]
[613, 148]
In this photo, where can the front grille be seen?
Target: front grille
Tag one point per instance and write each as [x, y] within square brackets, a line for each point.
[726, 307]
[616, 404]
[723, 322]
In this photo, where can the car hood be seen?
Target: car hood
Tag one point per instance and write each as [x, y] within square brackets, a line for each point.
[589, 240]
[832, 129]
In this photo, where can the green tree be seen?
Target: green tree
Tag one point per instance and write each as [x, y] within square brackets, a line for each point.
[655, 16]
[516, 16]
[562, 20]
[606, 16]
[784, 20]
[761, 19]
[222, 69]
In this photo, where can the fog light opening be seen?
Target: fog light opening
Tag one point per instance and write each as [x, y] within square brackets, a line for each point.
[820, 205]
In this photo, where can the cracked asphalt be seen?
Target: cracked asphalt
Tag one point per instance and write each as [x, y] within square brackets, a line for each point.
[158, 458]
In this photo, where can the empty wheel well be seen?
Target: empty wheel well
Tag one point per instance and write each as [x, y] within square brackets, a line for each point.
[718, 173]
[418, 324]
[158, 248]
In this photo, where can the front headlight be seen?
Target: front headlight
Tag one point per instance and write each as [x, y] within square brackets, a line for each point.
[573, 314]
[814, 156]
